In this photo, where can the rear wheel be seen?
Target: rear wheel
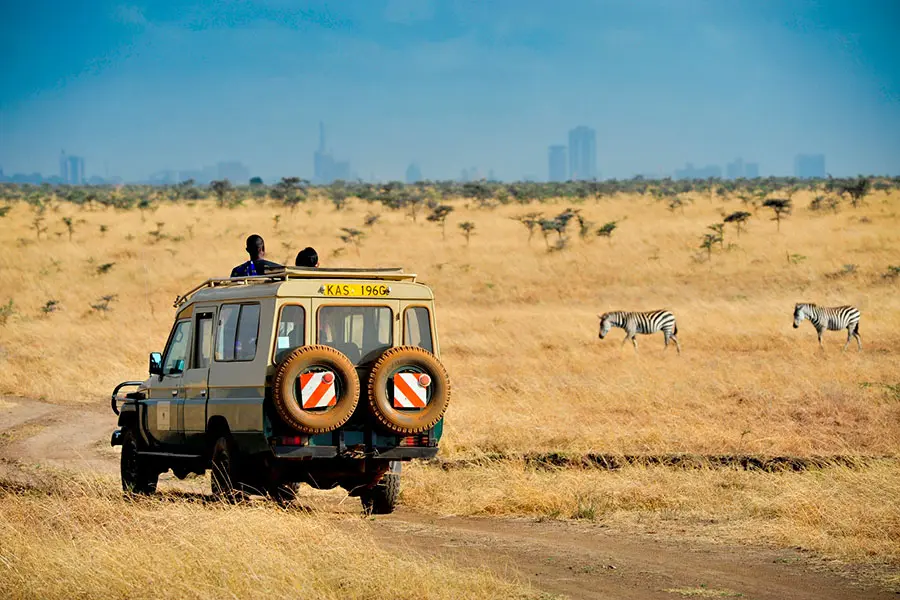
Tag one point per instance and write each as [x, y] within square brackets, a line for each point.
[225, 475]
[381, 499]
[138, 476]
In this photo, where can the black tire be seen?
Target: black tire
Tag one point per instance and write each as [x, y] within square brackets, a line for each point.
[283, 493]
[138, 476]
[225, 470]
[286, 397]
[381, 499]
[406, 359]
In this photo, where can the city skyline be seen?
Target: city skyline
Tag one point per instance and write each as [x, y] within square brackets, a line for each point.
[450, 84]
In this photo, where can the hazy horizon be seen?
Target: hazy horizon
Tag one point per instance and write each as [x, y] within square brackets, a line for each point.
[138, 88]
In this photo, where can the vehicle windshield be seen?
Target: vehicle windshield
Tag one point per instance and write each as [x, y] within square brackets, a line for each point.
[361, 333]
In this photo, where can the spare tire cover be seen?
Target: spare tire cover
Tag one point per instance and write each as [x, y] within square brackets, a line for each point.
[400, 398]
[315, 389]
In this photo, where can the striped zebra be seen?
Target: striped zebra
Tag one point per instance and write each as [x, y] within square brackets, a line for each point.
[830, 318]
[641, 322]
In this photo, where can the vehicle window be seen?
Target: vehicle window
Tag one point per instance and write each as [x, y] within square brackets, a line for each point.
[291, 330]
[203, 341]
[362, 333]
[237, 334]
[177, 351]
[417, 328]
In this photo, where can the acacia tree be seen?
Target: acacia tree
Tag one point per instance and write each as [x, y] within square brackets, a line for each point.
[530, 221]
[220, 188]
[352, 237]
[718, 230]
[468, 228]
[738, 218]
[70, 226]
[782, 208]
[439, 214]
[857, 190]
[607, 230]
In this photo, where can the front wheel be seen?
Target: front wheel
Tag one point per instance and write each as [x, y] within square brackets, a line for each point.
[138, 477]
[381, 499]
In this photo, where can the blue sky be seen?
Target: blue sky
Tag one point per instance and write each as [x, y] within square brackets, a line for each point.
[139, 87]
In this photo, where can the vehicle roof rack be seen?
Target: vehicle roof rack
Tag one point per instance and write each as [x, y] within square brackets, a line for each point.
[288, 273]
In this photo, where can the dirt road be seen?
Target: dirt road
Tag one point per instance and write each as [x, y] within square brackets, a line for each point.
[574, 559]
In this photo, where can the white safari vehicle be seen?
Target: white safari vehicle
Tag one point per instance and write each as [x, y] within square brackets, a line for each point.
[330, 377]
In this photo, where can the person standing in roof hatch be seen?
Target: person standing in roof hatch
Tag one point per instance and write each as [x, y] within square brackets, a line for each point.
[257, 265]
[308, 257]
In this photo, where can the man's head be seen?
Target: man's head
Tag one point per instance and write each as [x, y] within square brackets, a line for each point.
[307, 257]
[256, 247]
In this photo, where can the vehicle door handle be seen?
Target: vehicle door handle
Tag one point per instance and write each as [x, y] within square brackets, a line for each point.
[174, 392]
[203, 393]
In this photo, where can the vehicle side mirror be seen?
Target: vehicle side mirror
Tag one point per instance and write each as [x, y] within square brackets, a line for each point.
[156, 363]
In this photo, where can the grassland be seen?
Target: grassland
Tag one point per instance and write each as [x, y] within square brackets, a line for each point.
[518, 332]
[90, 544]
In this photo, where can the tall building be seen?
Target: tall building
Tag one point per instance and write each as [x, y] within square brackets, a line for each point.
[582, 153]
[808, 166]
[556, 158]
[325, 168]
[751, 170]
[735, 170]
[234, 171]
[75, 168]
[413, 174]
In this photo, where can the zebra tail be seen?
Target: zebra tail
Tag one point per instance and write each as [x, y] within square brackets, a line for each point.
[675, 332]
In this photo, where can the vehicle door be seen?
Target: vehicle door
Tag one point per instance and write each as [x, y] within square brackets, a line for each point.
[196, 378]
[166, 392]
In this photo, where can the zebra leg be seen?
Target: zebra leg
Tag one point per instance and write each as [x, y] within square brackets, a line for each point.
[849, 337]
[634, 341]
[677, 345]
[858, 338]
[821, 345]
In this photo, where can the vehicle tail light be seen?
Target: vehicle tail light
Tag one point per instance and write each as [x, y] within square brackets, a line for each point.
[295, 440]
[328, 377]
[414, 440]
[424, 380]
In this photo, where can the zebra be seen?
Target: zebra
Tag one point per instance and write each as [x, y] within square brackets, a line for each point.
[641, 322]
[831, 318]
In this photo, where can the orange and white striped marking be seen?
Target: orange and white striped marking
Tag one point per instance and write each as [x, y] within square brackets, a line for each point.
[317, 390]
[410, 390]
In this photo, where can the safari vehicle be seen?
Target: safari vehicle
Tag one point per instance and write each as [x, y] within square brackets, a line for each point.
[260, 382]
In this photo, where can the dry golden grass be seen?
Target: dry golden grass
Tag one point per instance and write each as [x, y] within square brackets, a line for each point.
[79, 539]
[518, 325]
[518, 331]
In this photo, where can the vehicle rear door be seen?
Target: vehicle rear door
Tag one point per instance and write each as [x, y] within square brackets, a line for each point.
[196, 378]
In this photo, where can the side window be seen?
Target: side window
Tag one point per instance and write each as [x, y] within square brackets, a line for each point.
[291, 330]
[176, 353]
[236, 339]
[203, 339]
[362, 333]
[417, 328]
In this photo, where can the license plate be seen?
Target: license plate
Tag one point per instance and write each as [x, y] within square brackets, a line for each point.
[364, 290]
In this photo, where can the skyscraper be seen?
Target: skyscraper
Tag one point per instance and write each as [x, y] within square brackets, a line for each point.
[413, 174]
[325, 168]
[75, 168]
[582, 153]
[808, 166]
[735, 170]
[557, 163]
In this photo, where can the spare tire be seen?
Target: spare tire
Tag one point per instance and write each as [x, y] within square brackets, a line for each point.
[316, 389]
[405, 408]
